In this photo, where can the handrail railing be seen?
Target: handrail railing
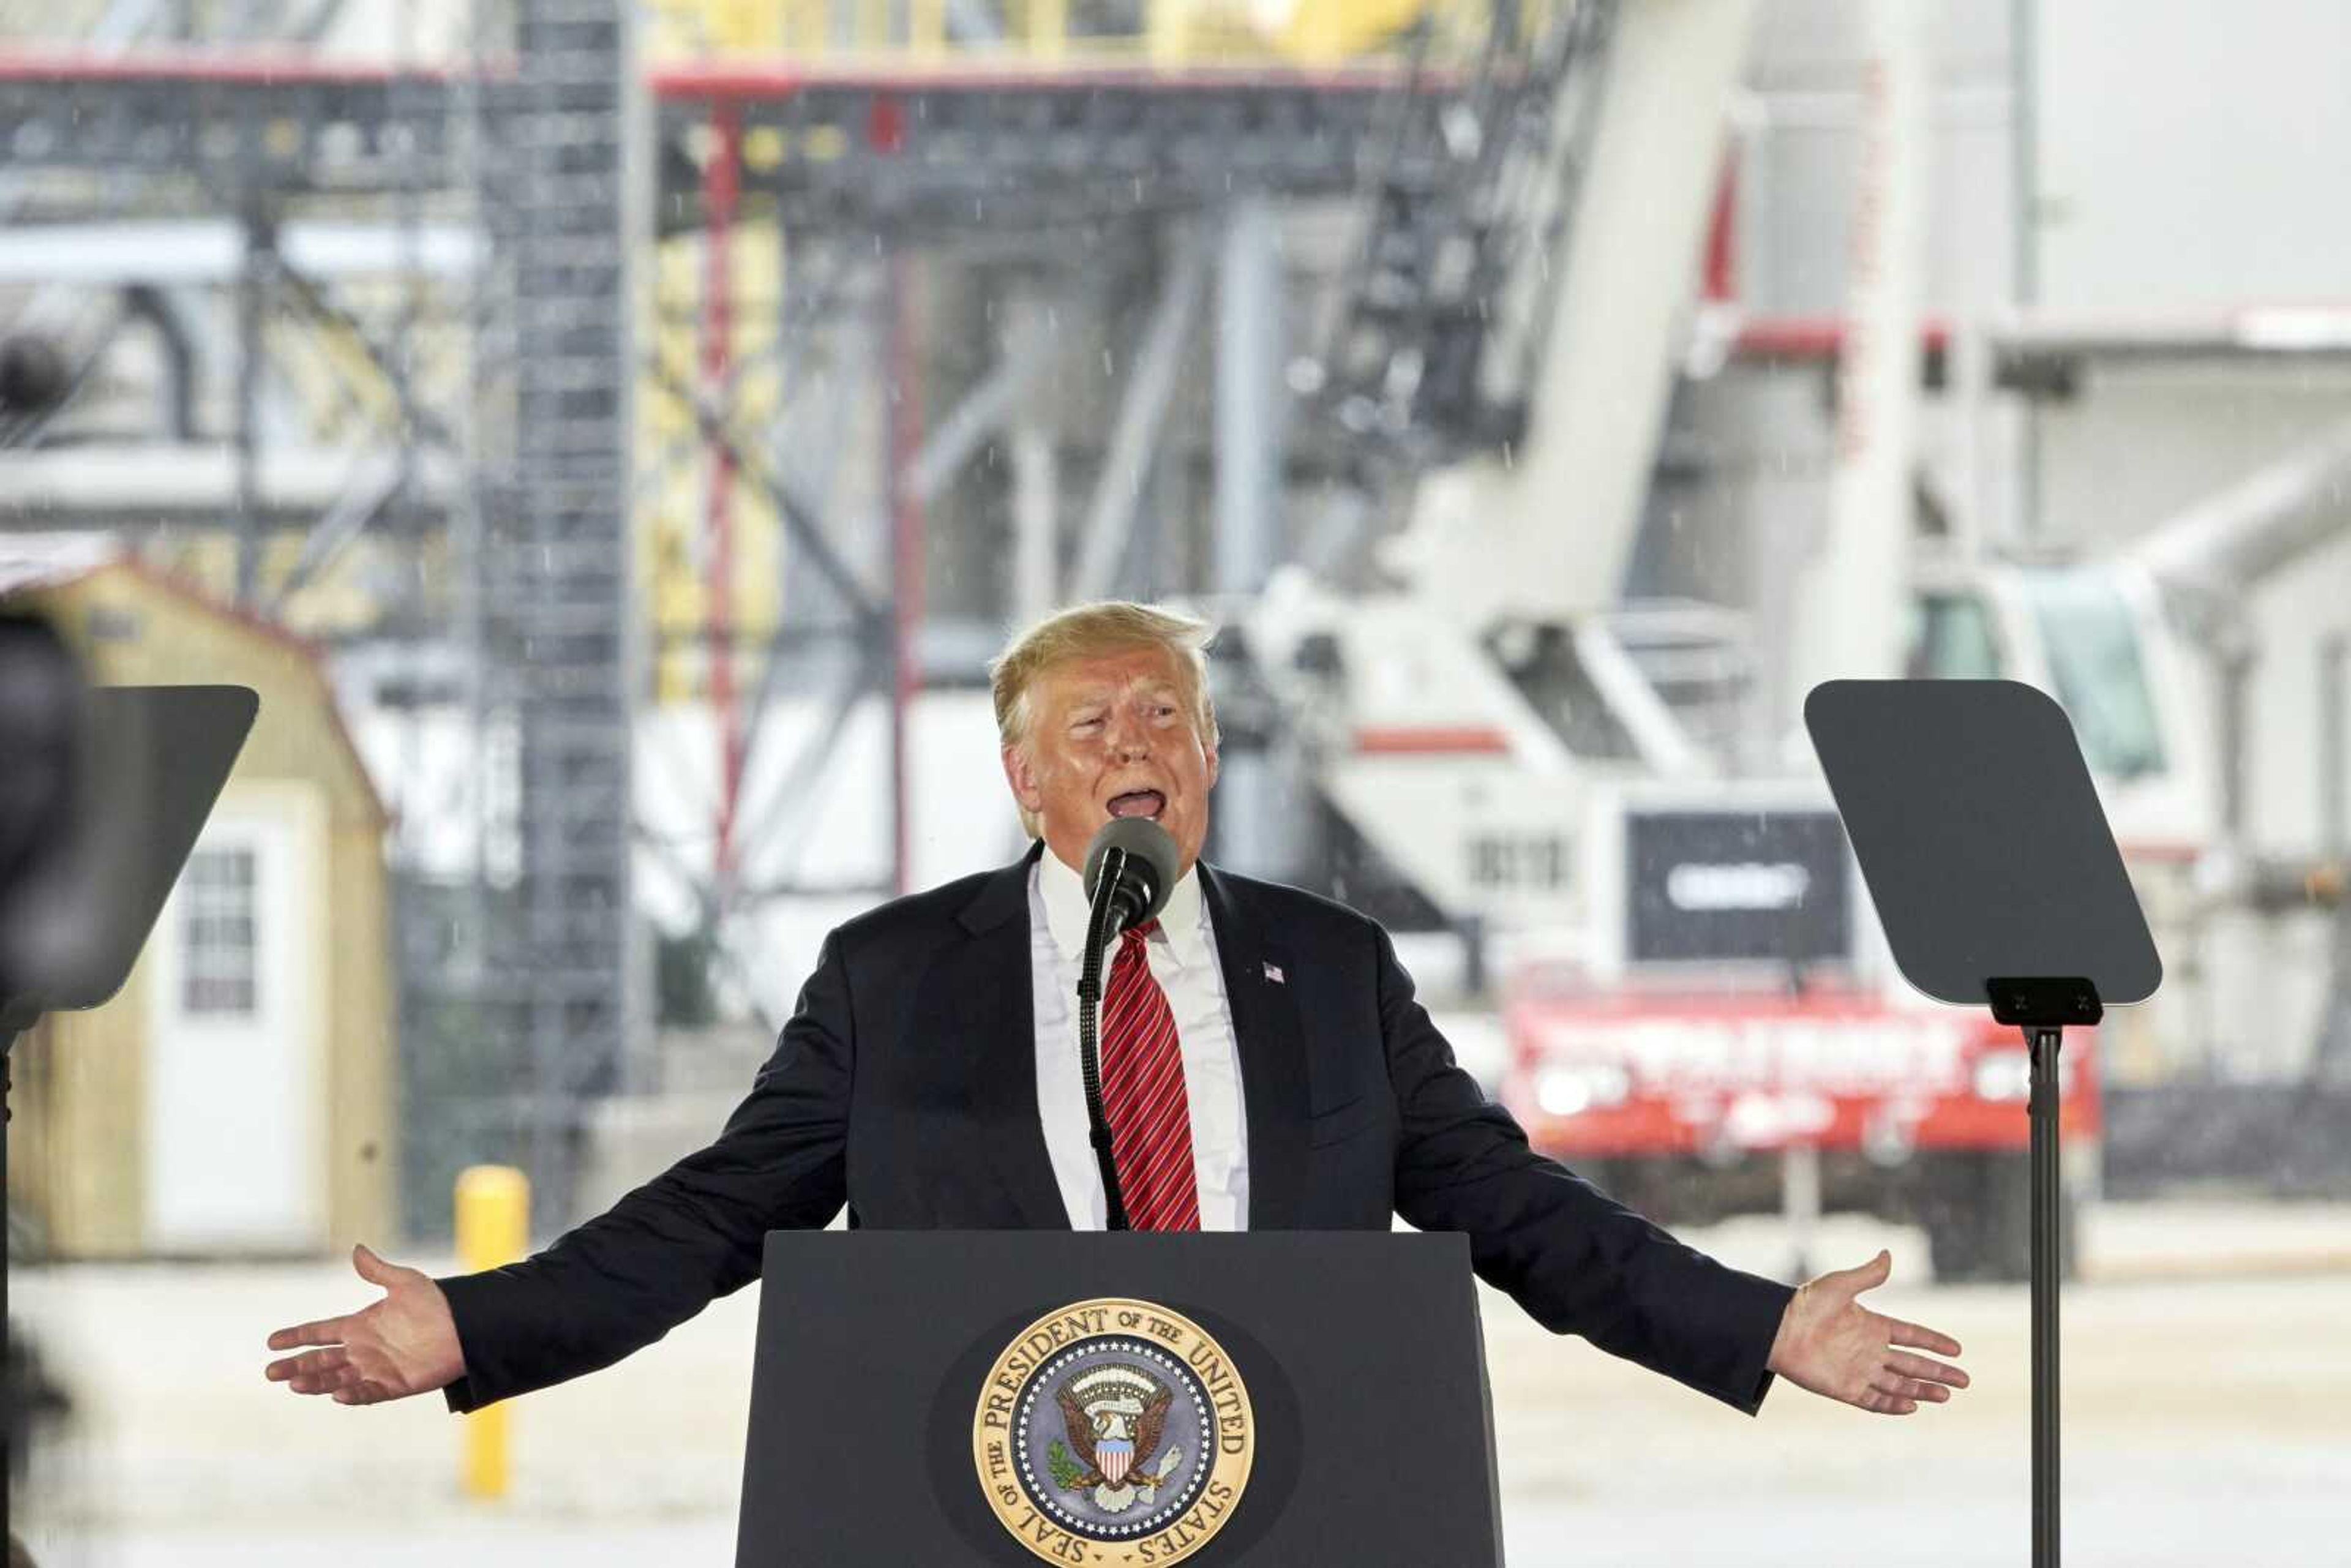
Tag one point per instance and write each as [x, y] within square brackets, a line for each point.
[1173, 35]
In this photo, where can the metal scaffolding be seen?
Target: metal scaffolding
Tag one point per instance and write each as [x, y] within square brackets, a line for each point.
[557, 616]
[513, 469]
[507, 188]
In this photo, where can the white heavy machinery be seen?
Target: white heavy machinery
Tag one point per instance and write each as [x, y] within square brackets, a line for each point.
[1457, 720]
[1699, 1010]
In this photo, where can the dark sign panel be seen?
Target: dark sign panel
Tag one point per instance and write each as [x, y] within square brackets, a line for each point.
[1720, 886]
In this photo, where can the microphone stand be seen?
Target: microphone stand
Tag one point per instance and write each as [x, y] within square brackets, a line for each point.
[1102, 923]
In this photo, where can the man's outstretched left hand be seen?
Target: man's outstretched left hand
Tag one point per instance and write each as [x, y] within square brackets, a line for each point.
[1831, 1344]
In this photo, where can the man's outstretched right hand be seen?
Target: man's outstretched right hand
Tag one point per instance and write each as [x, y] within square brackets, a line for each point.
[405, 1344]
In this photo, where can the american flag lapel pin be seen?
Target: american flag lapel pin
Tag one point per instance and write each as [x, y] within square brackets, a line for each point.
[1273, 973]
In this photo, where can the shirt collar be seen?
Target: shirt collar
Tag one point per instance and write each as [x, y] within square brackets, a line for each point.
[1182, 933]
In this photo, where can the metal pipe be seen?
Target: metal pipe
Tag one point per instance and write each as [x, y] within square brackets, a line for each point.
[2222, 546]
[2024, 137]
[151, 304]
[905, 434]
[721, 186]
[1036, 564]
[1249, 408]
[2043, 1043]
[2333, 756]
[2236, 658]
[1247, 515]
[1852, 597]
[251, 286]
[1028, 349]
[1800, 1204]
[1135, 433]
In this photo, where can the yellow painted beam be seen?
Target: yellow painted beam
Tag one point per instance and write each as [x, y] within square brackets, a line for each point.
[1169, 39]
[1048, 32]
[927, 27]
[808, 25]
[1323, 32]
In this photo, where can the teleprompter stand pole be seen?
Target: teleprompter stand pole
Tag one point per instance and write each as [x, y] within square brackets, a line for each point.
[8, 1417]
[2043, 1043]
[2042, 1008]
[1980, 871]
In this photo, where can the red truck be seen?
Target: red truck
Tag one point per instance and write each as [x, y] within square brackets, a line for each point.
[1733, 1039]
[1683, 1102]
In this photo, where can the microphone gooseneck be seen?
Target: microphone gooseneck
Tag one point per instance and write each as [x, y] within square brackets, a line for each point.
[1130, 872]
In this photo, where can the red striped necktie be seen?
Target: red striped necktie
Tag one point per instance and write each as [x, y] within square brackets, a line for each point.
[1143, 1094]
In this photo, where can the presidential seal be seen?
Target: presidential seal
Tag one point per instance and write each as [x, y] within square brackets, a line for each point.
[1115, 1432]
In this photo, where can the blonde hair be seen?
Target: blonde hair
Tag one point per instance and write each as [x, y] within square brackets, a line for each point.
[1091, 631]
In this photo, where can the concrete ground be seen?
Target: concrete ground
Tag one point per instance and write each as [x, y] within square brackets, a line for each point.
[2206, 1373]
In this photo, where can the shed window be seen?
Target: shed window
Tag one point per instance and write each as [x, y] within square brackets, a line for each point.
[217, 933]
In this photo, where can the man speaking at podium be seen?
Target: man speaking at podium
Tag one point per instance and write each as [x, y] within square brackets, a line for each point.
[1265, 1067]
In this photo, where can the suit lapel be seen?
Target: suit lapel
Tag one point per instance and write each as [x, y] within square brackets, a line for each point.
[987, 987]
[1272, 1051]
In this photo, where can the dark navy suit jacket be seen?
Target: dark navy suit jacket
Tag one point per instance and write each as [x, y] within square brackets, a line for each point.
[906, 1086]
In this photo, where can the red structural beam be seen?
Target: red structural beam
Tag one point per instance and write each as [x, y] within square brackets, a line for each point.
[1431, 740]
[1815, 337]
[2317, 328]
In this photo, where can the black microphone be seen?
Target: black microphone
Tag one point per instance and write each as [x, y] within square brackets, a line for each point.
[1130, 872]
[1139, 858]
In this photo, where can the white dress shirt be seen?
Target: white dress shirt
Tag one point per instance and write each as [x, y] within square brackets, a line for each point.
[1183, 954]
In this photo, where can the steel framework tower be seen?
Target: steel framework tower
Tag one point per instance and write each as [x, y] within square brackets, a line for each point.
[555, 604]
[506, 180]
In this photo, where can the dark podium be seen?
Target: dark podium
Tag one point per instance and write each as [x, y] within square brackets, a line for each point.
[1122, 1399]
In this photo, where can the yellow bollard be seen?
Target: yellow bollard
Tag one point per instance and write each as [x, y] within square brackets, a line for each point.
[492, 1229]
